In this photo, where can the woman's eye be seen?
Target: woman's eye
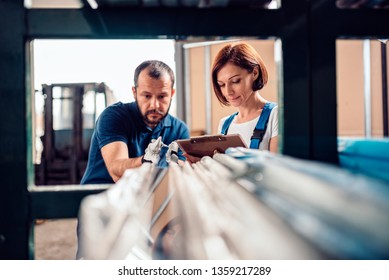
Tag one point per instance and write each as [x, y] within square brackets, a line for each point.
[235, 81]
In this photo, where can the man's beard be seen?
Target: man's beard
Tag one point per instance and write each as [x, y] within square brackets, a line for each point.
[150, 122]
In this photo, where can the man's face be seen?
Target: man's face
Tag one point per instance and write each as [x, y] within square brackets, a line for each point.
[153, 97]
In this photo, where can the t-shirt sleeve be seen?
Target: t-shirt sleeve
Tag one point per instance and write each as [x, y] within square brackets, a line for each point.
[110, 127]
[184, 132]
[274, 122]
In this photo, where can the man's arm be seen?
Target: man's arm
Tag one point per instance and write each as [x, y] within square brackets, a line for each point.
[116, 159]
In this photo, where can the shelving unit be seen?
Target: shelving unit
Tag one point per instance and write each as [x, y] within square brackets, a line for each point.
[308, 31]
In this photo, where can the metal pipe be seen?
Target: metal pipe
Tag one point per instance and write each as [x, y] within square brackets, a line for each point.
[207, 89]
[367, 86]
[384, 89]
[187, 93]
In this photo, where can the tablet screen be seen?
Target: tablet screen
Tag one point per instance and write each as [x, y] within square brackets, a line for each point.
[205, 145]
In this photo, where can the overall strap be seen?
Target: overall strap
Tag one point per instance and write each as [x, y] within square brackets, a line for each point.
[227, 123]
[260, 128]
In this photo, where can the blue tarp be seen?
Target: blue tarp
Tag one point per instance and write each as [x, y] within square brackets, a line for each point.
[365, 155]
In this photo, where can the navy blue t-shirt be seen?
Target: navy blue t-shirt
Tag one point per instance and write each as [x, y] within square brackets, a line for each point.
[124, 122]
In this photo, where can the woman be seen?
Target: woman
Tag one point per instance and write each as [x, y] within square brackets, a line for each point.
[238, 75]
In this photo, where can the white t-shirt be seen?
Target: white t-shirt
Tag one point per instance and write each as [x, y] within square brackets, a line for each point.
[246, 129]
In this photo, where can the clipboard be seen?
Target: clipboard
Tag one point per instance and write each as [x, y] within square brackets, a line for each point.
[205, 145]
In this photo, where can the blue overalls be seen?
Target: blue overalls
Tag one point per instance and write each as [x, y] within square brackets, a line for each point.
[260, 127]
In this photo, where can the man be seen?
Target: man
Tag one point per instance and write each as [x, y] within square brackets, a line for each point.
[124, 131]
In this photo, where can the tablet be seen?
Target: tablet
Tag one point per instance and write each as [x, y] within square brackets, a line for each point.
[205, 145]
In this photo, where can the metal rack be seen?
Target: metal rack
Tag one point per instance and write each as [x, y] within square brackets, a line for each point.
[245, 204]
[308, 31]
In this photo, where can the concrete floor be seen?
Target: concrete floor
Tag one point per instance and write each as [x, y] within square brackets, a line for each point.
[56, 240]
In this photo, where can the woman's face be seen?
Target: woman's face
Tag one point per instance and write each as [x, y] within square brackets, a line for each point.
[236, 83]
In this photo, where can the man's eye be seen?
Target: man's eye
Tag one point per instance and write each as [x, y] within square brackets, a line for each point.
[162, 97]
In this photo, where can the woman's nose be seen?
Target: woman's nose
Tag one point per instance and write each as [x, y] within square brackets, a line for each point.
[229, 90]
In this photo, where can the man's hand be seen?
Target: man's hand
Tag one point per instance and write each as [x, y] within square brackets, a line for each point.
[172, 152]
[152, 153]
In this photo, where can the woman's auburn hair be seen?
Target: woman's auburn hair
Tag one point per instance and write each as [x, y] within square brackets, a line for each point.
[242, 55]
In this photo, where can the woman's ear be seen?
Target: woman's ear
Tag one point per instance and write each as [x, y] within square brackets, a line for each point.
[257, 80]
[255, 72]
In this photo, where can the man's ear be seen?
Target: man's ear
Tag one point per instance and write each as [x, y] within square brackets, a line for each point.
[173, 91]
[134, 92]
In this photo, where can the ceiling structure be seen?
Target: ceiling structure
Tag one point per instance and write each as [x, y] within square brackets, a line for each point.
[263, 4]
[94, 4]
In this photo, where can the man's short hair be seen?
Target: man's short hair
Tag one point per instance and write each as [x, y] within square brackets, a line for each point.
[155, 70]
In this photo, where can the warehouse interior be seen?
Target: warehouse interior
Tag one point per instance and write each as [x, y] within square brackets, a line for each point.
[328, 76]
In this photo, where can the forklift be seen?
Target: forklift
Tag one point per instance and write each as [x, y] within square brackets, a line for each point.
[67, 123]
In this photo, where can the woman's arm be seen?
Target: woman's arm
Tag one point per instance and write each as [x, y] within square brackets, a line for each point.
[273, 144]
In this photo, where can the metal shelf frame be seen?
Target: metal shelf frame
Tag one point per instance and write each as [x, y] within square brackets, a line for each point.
[308, 31]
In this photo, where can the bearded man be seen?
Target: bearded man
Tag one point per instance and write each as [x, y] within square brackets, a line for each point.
[124, 130]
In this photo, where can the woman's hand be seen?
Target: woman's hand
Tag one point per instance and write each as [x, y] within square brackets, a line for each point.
[191, 159]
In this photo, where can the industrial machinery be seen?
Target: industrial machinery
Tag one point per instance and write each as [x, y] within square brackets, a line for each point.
[65, 128]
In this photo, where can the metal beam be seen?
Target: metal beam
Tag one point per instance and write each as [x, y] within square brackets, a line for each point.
[295, 104]
[358, 23]
[129, 22]
[322, 30]
[58, 202]
[14, 223]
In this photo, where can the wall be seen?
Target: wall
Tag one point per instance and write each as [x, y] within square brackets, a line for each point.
[350, 88]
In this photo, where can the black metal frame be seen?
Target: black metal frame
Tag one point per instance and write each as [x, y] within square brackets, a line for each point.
[308, 31]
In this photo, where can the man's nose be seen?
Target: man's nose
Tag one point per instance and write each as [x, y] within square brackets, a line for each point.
[154, 103]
